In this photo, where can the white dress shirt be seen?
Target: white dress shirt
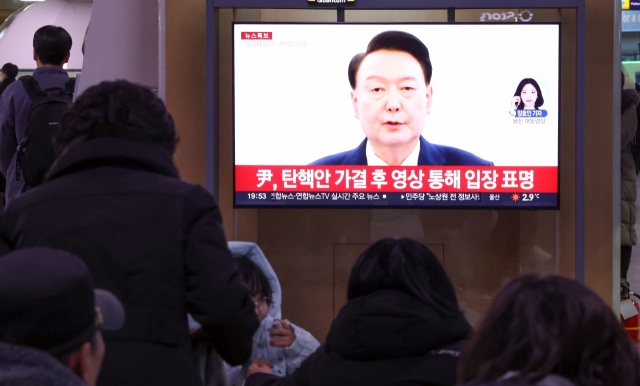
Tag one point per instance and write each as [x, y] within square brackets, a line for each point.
[411, 160]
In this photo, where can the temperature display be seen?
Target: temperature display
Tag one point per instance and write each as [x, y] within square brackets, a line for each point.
[530, 196]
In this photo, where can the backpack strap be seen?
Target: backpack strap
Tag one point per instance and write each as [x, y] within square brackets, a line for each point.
[31, 86]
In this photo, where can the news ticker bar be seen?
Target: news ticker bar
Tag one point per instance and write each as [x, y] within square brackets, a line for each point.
[515, 199]
[397, 179]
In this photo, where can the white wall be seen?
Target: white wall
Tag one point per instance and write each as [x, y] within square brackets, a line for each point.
[16, 42]
[122, 43]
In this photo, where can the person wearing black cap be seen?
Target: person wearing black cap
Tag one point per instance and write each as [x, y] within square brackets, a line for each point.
[114, 198]
[50, 319]
[9, 73]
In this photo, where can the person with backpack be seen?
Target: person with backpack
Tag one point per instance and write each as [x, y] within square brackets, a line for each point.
[29, 112]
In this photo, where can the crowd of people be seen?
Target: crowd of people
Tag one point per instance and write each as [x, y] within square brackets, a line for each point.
[114, 271]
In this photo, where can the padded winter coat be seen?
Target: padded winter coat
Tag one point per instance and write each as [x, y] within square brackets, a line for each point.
[628, 192]
[154, 241]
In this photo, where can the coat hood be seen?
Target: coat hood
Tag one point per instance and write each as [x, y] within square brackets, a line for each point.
[25, 366]
[391, 324]
[109, 151]
[253, 252]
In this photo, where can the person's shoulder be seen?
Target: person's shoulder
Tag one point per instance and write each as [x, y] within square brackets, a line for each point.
[14, 88]
[357, 156]
[334, 159]
[459, 157]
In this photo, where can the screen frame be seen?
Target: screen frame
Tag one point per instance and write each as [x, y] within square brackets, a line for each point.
[439, 207]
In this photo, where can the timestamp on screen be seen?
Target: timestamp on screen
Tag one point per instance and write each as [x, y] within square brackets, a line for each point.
[257, 196]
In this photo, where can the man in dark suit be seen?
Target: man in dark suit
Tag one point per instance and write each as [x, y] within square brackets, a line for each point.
[391, 96]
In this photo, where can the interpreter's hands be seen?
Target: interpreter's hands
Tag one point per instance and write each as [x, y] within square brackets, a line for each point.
[282, 337]
[259, 366]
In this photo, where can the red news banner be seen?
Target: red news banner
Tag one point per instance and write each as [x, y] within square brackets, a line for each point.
[479, 179]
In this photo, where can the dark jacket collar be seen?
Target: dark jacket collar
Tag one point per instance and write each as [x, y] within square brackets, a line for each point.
[429, 154]
[392, 324]
[25, 366]
[49, 70]
[111, 152]
[358, 156]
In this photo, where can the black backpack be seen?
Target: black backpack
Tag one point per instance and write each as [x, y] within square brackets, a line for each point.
[35, 150]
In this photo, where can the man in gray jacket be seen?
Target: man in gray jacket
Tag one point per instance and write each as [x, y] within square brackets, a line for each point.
[51, 50]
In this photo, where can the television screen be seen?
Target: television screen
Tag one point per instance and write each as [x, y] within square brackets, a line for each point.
[396, 115]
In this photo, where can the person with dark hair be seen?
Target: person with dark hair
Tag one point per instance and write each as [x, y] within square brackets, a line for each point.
[114, 198]
[51, 319]
[549, 331]
[528, 96]
[401, 325]
[51, 50]
[9, 73]
[391, 96]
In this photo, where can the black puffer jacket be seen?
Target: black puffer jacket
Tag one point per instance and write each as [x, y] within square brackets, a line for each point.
[154, 241]
[385, 338]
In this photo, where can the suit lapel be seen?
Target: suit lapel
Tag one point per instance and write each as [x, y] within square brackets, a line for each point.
[357, 156]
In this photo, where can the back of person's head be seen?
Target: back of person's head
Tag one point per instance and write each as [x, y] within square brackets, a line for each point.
[256, 281]
[48, 303]
[52, 45]
[394, 41]
[404, 265]
[118, 109]
[10, 70]
[537, 327]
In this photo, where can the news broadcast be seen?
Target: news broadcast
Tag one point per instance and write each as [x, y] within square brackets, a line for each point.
[396, 115]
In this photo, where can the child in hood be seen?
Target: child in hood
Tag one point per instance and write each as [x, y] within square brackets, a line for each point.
[277, 341]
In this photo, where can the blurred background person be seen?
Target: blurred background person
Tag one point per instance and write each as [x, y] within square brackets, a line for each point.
[19, 127]
[628, 190]
[549, 331]
[9, 73]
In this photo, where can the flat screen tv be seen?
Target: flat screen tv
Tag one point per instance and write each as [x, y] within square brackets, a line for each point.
[396, 115]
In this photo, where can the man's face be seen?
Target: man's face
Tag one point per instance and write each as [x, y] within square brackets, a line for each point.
[391, 98]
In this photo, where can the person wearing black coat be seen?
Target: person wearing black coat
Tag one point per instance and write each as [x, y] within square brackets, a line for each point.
[401, 326]
[114, 198]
